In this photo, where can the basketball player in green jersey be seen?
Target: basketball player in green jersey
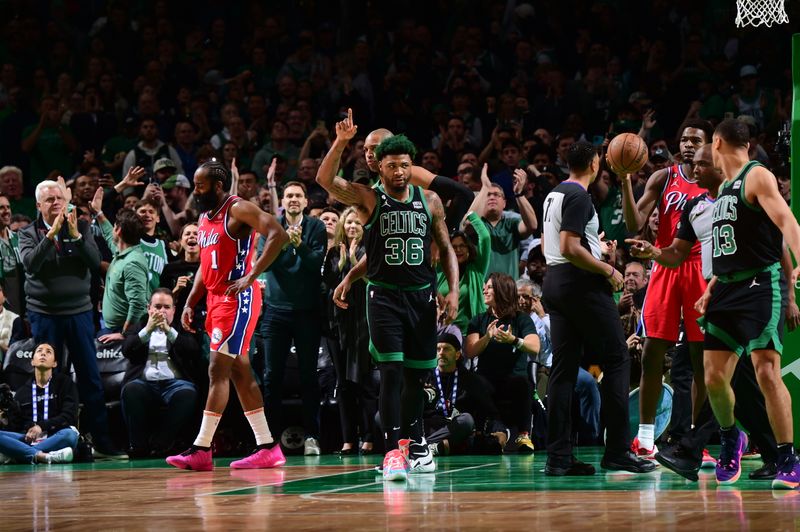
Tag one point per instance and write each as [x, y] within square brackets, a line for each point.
[744, 304]
[400, 222]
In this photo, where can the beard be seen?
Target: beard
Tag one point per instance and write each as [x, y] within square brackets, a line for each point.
[206, 202]
[536, 276]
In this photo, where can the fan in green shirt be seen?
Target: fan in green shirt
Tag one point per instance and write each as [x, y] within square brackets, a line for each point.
[473, 263]
[154, 248]
[49, 144]
[506, 230]
[126, 291]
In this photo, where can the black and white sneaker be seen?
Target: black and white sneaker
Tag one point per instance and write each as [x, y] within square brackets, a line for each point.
[420, 457]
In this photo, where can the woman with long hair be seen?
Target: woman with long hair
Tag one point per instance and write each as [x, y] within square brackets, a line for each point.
[178, 275]
[228, 153]
[504, 338]
[355, 382]
[473, 261]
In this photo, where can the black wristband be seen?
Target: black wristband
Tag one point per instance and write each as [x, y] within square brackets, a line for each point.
[518, 195]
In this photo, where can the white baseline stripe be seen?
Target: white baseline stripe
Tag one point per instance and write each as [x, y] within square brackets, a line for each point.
[355, 486]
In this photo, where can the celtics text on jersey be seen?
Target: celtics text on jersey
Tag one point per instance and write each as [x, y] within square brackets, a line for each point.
[743, 236]
[398, 240]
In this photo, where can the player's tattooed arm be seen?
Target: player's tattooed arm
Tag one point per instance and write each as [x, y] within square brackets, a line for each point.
[447, 255]
[346, 192]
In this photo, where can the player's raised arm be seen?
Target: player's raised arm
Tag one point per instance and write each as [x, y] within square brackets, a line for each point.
[276, 237]
[346, 192]
[448, 256]
[635, 213]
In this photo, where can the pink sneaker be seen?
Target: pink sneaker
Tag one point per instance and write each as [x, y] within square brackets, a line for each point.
[708, 460]
[192, 458]
[261, 459]
[395, 465]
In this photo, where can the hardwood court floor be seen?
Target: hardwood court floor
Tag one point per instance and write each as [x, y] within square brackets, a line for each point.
[326, 493]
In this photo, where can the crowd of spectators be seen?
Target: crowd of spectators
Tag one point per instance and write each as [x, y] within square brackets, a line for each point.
[107, 109]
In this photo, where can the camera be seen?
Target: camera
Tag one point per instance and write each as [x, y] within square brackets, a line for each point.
[9, 408]
[6, 397]
[783, 145]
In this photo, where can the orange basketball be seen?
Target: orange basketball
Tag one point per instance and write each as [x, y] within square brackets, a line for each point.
[626, 153]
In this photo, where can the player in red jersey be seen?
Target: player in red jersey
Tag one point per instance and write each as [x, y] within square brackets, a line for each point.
[671, 292]
[226, 234]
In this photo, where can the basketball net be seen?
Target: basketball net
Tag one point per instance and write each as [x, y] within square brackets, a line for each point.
[758, 12]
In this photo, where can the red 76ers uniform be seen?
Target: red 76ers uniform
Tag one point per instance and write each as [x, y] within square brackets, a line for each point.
[672, 292]
[231, 320]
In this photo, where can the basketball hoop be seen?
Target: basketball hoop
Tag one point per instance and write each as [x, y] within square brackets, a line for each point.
[757, 12]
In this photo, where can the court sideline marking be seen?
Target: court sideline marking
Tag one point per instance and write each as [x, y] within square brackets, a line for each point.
[311, 496]
[231, 491]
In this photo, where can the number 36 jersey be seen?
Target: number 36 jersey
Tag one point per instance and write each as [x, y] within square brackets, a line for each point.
[744, 238]
[223, 258]
[398, 241]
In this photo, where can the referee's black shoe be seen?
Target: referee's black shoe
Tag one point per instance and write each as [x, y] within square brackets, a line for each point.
[570, 468]
[680, 461]
[765, 472]
[627, 461]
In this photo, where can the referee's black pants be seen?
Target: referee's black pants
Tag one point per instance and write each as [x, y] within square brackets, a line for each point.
[584, 322]
[750, 410]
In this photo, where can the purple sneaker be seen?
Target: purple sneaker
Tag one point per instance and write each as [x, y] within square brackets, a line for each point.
[729, 465]
[788, 476]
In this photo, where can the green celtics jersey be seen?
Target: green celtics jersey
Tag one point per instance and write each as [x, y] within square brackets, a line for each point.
[9, 255]
[155, 250]
[398, 240]
[743, 236]
[610, 214]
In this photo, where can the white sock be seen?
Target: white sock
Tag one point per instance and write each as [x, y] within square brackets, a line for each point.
[258, 422]
[646, 435]
[207, 428]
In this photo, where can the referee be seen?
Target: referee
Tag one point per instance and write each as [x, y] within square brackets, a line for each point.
[583, 319]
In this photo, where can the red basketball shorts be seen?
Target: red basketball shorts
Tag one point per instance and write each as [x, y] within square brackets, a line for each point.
[231, 320]
[671, 295]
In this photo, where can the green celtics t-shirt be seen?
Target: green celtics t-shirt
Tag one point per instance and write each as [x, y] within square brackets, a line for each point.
[155, 251]
[505, 246]
[610, 215]
[115, 145]
[49, 153]
[12, 275]
[25, 205]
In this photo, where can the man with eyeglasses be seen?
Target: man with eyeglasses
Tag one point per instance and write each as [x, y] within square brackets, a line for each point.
[507, 230]
[530, 302]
